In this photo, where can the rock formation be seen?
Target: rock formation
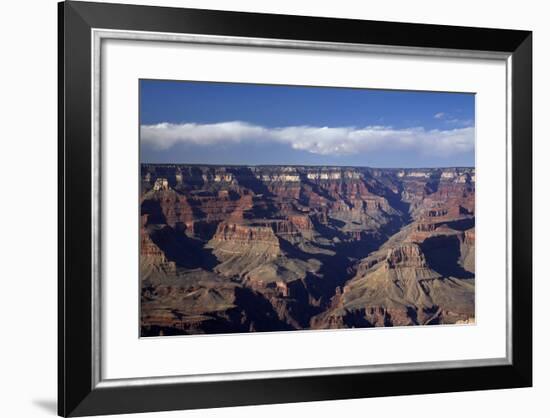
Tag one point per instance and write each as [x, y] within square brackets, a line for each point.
[265, 248]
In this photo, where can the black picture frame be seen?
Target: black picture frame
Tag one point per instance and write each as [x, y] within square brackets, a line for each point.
[77, 393]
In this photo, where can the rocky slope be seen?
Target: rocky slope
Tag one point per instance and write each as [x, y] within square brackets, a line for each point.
[266, 248]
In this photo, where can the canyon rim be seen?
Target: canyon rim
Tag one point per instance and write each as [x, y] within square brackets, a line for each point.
[279, 208]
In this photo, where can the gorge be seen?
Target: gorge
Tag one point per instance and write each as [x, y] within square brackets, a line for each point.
[227, 249]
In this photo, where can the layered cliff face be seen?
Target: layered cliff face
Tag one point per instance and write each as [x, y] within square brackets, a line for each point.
[236, 249]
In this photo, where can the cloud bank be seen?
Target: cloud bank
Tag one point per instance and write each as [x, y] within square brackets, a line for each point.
[337, 141]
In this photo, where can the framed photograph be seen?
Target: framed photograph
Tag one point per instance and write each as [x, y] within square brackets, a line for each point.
[265, 208]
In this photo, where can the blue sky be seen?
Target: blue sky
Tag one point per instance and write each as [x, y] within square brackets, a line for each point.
[230, 123]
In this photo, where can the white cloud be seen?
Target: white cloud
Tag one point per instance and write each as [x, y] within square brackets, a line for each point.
[451, 120]
[460, 122]
[337, 141]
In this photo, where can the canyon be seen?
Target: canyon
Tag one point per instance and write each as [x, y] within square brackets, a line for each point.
[231, 249]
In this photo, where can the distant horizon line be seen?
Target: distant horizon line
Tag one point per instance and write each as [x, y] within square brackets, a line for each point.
[309, 165]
